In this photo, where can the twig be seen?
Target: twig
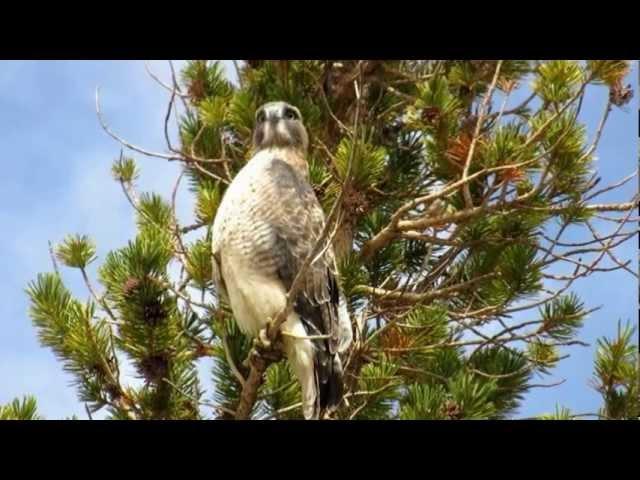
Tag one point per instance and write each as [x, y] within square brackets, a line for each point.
[369, 394]
[513, 110]
[160, 82]
[237, 67]
[130, 146]
[167, 117]
[612, 186]
[193, 398]
[289, 408]
[304, 337]
[609, 252]
[232, 364]
[427, 296]
[547, 385]
[465, 173]
[53, 259]
[99, 300]
[187, 299]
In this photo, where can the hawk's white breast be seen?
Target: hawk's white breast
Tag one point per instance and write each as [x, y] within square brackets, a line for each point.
[242, 234]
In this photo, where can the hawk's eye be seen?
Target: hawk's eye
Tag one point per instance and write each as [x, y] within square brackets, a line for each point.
[290, 114]
[261, 117]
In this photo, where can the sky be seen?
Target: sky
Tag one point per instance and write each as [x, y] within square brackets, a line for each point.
[56, 180]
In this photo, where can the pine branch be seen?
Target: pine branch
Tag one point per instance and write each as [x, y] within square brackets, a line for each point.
[476, 135]
[423, 298]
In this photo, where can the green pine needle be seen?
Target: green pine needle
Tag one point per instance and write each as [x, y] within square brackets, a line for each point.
[76, 251]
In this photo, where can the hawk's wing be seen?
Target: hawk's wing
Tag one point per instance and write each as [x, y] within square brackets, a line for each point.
[297, 224]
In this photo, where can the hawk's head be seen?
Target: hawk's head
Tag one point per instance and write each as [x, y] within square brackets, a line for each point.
[279, 124]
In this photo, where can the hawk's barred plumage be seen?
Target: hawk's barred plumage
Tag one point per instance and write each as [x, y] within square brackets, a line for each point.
[267, 224]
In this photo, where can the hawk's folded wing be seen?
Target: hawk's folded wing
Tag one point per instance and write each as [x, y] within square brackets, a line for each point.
[297, 222]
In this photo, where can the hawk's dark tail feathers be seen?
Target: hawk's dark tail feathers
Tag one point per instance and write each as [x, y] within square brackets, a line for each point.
[329, 381]
[327, 365]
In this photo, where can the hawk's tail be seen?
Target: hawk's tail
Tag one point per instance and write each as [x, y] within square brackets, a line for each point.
[322, 383]
[329, 382]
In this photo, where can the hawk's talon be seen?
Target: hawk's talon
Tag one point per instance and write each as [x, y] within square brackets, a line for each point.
[263, 339]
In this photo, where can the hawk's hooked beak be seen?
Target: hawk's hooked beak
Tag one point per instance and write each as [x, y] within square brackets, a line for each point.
[272, 126]
[273, 120]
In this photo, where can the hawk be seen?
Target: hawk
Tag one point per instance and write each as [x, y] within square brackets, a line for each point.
[267, 224]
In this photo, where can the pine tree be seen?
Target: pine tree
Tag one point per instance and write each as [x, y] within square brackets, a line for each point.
[25, 409]
[616, 379]
[450, 215]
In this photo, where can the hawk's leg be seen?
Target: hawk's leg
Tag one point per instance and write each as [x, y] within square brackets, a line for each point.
[259, 351]
[264, 347]
[264, 342]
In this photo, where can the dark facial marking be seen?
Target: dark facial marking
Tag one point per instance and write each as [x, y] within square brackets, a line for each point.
[291, 114]
[258, 135]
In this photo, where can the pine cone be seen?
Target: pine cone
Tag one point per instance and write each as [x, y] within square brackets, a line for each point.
[196, 89]
[451, 410]
[430, 115]
[620, 95]
[154, 314]
[155, 367]
[130, 285]
[393, 338]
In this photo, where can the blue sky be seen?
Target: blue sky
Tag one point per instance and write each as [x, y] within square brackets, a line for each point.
[56, 180]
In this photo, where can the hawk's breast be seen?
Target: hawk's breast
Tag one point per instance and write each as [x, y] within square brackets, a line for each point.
[258, 223]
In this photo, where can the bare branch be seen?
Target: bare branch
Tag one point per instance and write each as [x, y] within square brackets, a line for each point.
[547, 385]
[123, 142]
[237, 67]
[53, 259]
[612, 186]
[160, 82]
[476, 134]
[424, 297]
